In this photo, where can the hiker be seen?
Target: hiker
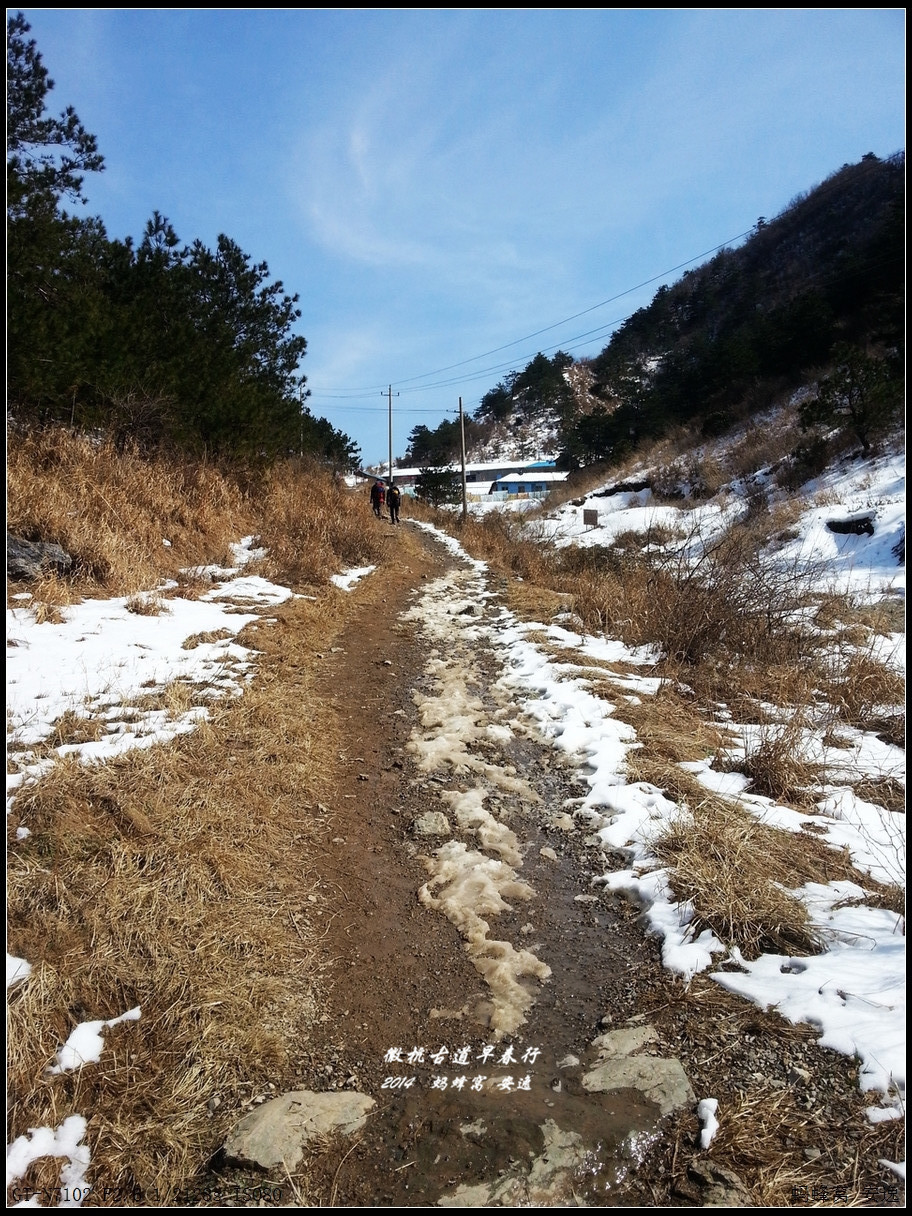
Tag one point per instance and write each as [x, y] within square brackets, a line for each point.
[377, 498]
[393, 499]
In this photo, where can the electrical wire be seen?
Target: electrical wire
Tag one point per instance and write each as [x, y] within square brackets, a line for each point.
[354, 394]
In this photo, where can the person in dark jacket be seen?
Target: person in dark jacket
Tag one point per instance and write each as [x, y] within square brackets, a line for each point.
[393, 499]
[376, 497]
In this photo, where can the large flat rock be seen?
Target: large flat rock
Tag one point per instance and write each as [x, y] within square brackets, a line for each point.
[275, 1133]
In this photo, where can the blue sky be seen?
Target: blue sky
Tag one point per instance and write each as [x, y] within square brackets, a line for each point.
[440, 184]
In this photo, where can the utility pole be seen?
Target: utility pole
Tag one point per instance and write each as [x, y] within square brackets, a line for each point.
[465, 505]
[389, 480]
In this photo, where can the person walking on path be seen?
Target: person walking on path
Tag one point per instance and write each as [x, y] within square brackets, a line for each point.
[393, 499]
[376, 497]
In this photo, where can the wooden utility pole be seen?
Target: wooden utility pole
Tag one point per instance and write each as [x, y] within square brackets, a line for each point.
[389, 478]
[465, 505]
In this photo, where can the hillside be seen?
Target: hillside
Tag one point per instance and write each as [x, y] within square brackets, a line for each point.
[822, 282]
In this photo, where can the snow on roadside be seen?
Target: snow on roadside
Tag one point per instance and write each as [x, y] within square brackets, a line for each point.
[855, 990]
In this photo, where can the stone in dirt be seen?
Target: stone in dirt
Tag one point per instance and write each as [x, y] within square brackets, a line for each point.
[433, 823]
[275, 1134]
[662, 1080]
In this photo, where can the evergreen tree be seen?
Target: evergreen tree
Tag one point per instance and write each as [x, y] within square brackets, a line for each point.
[497, 404]
[45, 157]
[437, 485]
[542, 386]
[437, 447]
[860, 396]
[50, 256]
[332, 447]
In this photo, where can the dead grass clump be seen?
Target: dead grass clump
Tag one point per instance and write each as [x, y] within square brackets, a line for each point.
[46, 614]
[612, 601]
[72, 727]
[208, 636]
[172, 880]
[737, 872]
[871, 696]
[670, 728]
[512, 544]
[882, 791]
[856, 622]
[776, 766]
[311, 526]
[531, 603]
[714, 866]
[146, 605]
[759, 1132]
[655, 535]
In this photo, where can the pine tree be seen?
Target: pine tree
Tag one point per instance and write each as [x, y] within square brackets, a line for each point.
[45, 157]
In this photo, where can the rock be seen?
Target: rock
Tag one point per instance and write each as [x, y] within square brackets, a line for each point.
[662, 1081]
[858, 525]
[720, 1187]
[30, 561]
[624, 1042]
[432, 823]
[275, 1134]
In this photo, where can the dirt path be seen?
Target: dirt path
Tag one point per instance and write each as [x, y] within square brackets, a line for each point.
[482, 958]
[402, 975]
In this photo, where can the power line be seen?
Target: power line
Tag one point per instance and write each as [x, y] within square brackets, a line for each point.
[356, 393]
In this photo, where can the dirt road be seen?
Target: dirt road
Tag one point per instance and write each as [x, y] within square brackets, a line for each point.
[515, 1002]
[477, 981]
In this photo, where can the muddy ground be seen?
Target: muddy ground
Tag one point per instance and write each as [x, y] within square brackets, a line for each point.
[399, 975]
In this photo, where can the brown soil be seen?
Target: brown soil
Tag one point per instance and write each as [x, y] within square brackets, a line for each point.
[399, 976]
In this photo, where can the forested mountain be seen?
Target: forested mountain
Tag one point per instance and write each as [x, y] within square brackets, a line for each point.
[814, 298]
[158, 343]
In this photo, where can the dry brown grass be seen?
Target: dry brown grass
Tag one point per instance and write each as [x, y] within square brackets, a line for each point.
[532, 603]
[790, 1144]
[776, 765]
[669, 726]
[760, 1130]
[761, 447]
[311, 526]
[882, 791]
[46, 614]
[146, 605]
[72, 727]
[872, 697]
[736, 871]
[113, 511]
[173, 879]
